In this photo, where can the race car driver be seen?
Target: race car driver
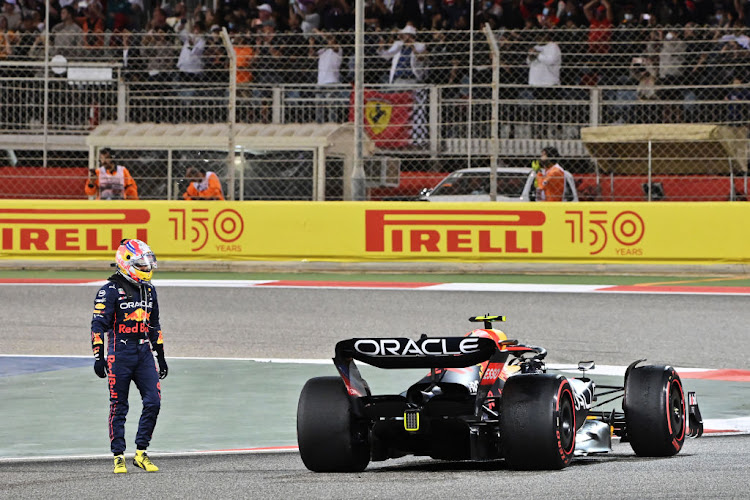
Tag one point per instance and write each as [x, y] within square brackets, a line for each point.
[126, 309]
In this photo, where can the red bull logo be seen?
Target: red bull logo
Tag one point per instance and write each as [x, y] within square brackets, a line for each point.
[137, 315]
[140, 316]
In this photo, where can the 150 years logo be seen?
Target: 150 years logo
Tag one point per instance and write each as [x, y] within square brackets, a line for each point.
[197, 226]
[595, 227]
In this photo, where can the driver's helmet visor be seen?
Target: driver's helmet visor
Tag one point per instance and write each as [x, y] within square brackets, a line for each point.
[145, 262]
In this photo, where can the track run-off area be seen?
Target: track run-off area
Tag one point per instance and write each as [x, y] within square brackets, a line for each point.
[241, 349]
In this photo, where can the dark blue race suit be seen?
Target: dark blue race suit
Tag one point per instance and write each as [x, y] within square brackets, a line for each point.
[129, 315]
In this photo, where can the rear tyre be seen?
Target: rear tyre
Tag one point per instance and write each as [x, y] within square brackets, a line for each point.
[329, 437]
[654, 405]
[537, 423]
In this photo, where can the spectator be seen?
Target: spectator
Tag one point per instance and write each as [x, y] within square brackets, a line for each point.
[267, 65]
[445, 62]
[7, 39]
[305, 9]
[671, 74]
[110, 181]
[128, 54]
[215, 58]
[544, 60]
[159, 20]
[673, 13]
[739, 101]
[407, 57]
[377, 13]
[335, 15]
[413, 13]
[643, 70]
[159, 54]
[137, 17]
[455, 11]
[330, 102]
[119, 16]
[244, 54]
[570, 14]
[299, 65]
[178, 19]
[203, 185]
[265, 13]
[12, 15]
[192, 74]
[30, 29]
[599, 15]
[92, 25]
[190, 62]
[66, 35]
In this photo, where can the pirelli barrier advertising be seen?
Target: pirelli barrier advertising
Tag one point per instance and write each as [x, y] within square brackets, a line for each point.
[666, 233]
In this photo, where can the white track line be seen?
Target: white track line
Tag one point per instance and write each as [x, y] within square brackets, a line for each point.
[439, 287]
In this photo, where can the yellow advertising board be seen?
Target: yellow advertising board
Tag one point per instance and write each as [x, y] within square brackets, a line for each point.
[587, 232]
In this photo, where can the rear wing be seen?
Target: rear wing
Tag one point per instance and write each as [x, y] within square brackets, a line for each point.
[427, 352]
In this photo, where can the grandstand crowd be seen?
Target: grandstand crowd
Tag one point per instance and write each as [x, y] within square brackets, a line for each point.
[650, 46]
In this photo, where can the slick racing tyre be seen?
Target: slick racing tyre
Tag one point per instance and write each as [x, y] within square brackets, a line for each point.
[329, 437]
[654, 405]
[537, 422]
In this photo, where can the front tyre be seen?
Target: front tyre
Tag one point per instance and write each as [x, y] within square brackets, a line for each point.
[537, 423]
[654, 406]
[329, 437]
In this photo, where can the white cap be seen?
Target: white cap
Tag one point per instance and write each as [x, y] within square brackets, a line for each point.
[408, 30]
[12, 2]
[65, 3]
[265, 7]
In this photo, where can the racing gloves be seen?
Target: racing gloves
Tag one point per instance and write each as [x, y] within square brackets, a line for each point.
[163, 369]
[100, 365]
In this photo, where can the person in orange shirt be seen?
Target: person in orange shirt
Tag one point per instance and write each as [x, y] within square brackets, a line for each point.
[92, 25]
[550, 181]
[203, 185]
[245, 54]
[110, 181]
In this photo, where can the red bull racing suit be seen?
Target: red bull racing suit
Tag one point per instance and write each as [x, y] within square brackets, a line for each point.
[129, 316]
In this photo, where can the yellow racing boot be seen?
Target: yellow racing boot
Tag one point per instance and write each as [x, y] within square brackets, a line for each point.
[120, 467]
[141, 460]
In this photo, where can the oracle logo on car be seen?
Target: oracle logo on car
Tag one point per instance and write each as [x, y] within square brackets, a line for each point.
[421, 347]
[454, 231]
[47, 230]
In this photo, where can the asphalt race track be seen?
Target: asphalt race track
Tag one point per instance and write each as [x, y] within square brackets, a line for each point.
[684, 330]
[713, 467]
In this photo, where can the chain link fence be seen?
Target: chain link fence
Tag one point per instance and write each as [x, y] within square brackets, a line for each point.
[434, 102]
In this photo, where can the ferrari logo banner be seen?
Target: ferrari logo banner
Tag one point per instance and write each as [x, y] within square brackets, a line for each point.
[587, 232]
[387, 117]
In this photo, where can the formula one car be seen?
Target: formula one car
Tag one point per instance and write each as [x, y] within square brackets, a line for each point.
[486, 397]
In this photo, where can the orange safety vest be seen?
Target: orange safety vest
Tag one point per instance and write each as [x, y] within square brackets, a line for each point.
[208, 188]
[118, 185]
[551, 183]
